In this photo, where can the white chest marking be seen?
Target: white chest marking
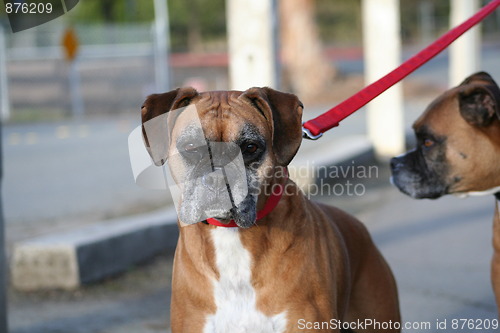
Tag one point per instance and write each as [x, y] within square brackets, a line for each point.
[479, 193]
[234, 294]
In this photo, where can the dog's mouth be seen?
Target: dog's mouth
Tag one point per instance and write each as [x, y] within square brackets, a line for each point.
[243, 214]
[417, 187]
[219, 215]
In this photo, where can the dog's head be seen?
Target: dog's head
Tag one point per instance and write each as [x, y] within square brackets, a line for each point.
[458, 143]
[259, 128]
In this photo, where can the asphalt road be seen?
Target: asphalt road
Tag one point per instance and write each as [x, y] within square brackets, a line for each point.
[60, 175]
[439, 251]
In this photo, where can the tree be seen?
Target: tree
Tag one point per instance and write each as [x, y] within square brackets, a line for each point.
[107, 10]
[306, 68]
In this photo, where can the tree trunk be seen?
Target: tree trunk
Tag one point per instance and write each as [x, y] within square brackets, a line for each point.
[107, 10]
[194, 37]
[307, 70]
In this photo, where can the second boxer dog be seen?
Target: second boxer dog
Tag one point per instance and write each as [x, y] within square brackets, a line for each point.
[286, 264]
[458, 151]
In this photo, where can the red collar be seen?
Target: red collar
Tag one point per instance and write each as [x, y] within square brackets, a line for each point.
[271, 203]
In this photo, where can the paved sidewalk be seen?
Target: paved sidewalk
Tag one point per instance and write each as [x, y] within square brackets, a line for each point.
[440, 253]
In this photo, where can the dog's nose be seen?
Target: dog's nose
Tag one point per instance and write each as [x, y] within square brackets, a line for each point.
[395, 163]
[215, 180]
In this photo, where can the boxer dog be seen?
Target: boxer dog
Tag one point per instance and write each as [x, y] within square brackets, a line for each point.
[271, 262]
[458, 151]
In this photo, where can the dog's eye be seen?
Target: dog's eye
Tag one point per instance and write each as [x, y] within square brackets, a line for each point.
[249, 148]
[190, 148]
[428, 143]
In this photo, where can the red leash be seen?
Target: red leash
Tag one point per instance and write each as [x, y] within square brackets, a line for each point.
[314, 128]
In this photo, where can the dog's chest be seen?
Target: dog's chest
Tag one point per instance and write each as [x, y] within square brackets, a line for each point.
[234, 294]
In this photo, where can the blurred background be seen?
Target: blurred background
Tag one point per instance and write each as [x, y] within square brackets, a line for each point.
[116, 51]
[66, 119]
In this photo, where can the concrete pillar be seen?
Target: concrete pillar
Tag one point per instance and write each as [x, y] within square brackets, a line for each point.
[464, 52]
[251, 26]
[382, 53]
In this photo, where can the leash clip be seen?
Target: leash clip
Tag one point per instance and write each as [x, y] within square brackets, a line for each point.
[306, 134]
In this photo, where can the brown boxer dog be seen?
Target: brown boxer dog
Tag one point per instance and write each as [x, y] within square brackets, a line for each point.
[303, 267]
[458, 151]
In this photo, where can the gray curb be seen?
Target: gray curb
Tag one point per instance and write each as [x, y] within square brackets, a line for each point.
[68, 260]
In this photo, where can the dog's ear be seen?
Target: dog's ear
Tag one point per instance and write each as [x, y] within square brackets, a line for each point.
[155, 132]
[479, 77]
[283, 111]
[478, 104]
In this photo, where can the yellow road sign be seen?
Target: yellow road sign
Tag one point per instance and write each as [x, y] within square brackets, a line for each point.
[70, 44]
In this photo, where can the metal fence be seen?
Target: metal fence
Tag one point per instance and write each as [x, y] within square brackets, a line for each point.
[115, 64]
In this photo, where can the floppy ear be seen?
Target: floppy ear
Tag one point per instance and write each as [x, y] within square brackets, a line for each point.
[155, 132]
[284, 113]
[485, 79]
[479, 77]
[479, 104]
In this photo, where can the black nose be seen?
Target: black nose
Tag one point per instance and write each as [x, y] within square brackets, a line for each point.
[396, 163]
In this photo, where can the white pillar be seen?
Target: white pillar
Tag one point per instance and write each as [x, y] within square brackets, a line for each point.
[251, 28]
[465, 52]
[162, 44]
[4, 92]
[382, 53]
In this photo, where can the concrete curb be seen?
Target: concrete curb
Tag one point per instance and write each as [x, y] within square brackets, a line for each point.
[68, 260]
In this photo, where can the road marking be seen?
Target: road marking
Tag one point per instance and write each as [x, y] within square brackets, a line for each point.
[31, 138]
[83, 131]
[14, 139]
[62, 132]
